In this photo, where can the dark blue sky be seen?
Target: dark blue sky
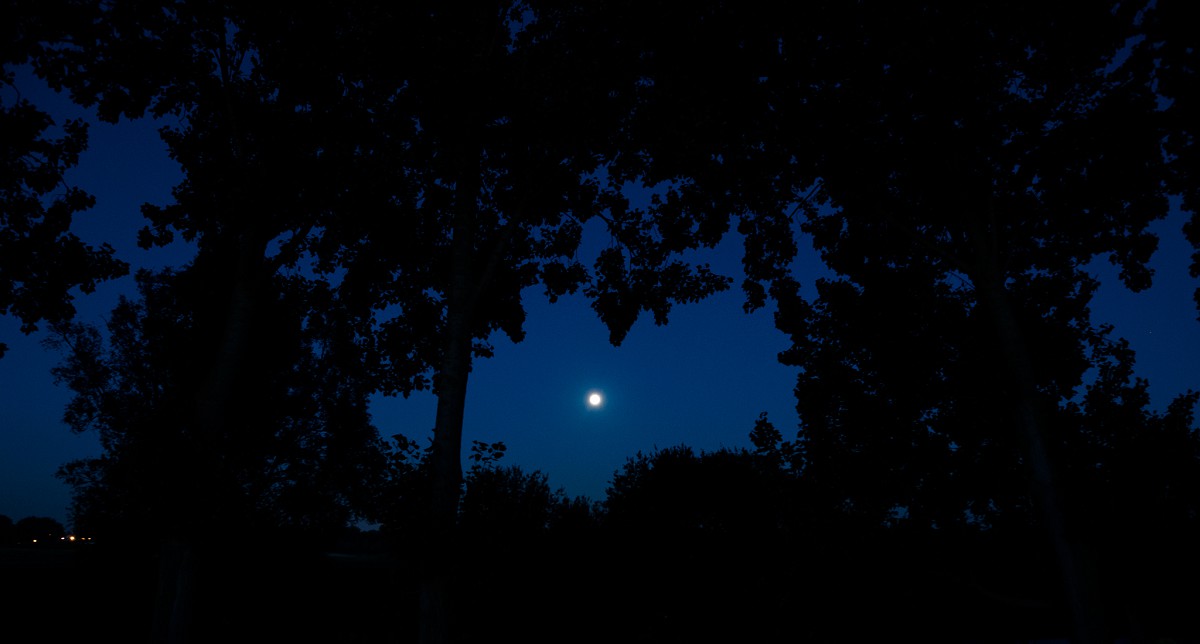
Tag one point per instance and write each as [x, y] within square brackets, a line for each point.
[702, 380]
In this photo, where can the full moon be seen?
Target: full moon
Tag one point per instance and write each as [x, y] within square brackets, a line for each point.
[594, 399]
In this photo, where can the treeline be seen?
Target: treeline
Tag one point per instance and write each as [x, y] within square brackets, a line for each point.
[748, 543]
[372, 189]
[30, 529]
[686, 544]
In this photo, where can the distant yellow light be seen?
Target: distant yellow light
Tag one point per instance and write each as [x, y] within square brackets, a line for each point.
[72, 537]
[35, 540]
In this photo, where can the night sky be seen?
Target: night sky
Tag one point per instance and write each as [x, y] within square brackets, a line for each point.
[701, 380]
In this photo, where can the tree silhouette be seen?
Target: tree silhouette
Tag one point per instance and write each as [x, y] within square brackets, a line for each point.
[1042, 185]
[465, 203]
[394, 192]
[974, 158]
[674, 490]
[249, 200]
[296, 458]
[447, 207]
[41, 260]
[721, 542]
[902, 406]
[297, 452]
[1169, 48]
[507, 503]
[1133, 466]
[1128, 476]
[38, 530]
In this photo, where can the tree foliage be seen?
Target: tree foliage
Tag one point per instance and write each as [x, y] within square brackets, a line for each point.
[958, 169]
[41, 260]
[726, 493]
[38, 530]
[373, 191]
[961, 187]
[298, 452]
[1170, 49]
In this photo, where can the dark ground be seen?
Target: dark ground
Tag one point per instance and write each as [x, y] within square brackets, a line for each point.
[83, 593]
[595, 590]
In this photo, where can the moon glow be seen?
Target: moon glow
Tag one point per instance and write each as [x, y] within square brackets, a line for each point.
[594, 399]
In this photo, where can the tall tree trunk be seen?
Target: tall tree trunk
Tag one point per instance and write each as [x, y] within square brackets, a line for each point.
[446, 479]
[436, 610]
[175, 600]
[993, 296]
